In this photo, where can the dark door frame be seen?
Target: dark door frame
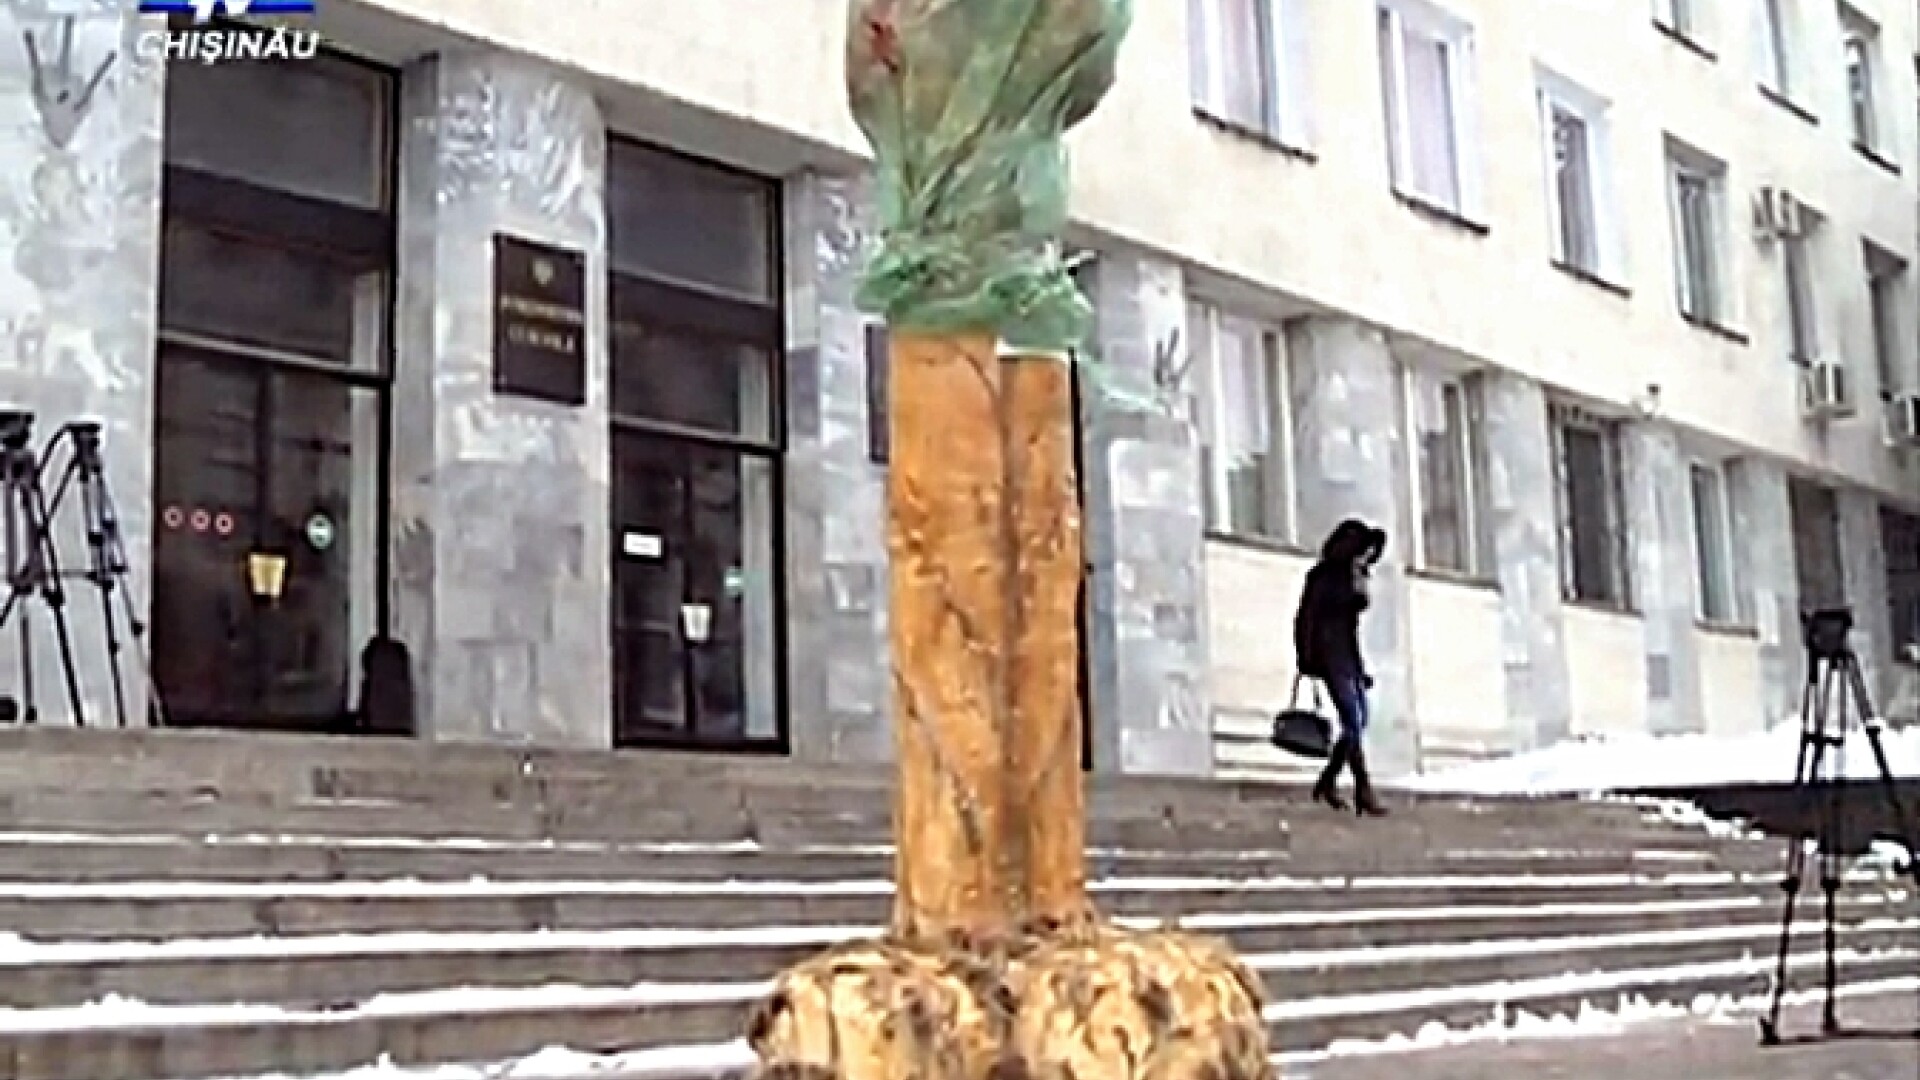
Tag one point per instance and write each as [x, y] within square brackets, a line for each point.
[694, 311]
[260, 371]
[256, 215]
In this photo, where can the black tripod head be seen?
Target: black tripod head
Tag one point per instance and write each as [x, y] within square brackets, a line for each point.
[16, 428]
[16, 457]
[1825, 632]
[86, 445]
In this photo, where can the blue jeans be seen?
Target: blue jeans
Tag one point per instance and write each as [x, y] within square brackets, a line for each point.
[1349, 694]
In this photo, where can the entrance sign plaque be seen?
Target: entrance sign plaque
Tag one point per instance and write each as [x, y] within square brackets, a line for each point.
[539, 321]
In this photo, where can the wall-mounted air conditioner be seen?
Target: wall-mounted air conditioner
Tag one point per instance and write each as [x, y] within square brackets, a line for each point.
[1903, 421]
[1826, 393]
[1777, 215]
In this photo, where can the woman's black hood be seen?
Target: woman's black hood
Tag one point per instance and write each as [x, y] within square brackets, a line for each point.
[1352, 539]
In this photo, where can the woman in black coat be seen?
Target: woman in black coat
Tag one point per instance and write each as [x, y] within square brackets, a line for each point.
[1326, 641]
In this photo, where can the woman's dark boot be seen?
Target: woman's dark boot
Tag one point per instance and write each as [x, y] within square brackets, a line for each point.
[1364, 802]
[1324, 789]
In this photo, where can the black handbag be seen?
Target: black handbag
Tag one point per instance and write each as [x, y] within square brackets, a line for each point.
[1302, 731]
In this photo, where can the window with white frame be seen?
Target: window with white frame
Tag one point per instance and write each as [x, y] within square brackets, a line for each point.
[1679, 16]
[1697, 191]
[1778, 41]
[1426, 73]
[1248, 61]
[1593, 526]
[1577, 144]
[1445, 415]
[1797, 262]
[1887, 306]
[1860, 38]
[1246, 437]
[1716, 598]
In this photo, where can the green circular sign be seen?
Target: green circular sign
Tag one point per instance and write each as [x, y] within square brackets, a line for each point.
[320, 532]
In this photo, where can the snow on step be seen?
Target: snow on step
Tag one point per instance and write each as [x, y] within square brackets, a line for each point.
[16, 952]
[488, 887]
[1596, 982]
[114, 1012]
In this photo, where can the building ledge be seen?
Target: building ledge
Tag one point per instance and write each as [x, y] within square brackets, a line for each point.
[1719, 330]
[1795, 108]
[1456, 578]
[1719, 628]
[1589, 277]
[1441, 215]
[1885, 163]
[1265, 139]
[1600, 607]
[1271, 544]
[1686, 41]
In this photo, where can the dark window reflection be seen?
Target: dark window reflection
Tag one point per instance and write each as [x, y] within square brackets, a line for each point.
[689, 222]
[315, 128]
[254, 294]
[703, 382]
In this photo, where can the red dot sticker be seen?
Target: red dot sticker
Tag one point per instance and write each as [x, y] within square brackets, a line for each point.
[173, 517]
[223, 524]
[201, 519]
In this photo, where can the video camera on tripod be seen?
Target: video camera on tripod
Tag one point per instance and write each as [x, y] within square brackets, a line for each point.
[34, 568]
[1835, 700]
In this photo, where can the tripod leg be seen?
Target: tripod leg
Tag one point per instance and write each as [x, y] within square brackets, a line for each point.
[40, 528]
[1796, 864]
[1808, 770]
[26, 576]
[100, 574]
[1830, 886]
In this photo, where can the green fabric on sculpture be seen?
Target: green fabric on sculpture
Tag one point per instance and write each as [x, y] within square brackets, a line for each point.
[965, 103]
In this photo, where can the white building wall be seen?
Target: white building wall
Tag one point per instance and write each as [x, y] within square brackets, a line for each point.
[1320, 231]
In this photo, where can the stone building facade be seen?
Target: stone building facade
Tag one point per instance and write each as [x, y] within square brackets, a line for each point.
[1607, 514]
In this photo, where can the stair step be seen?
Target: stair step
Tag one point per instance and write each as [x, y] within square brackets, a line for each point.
[318, 972]
[140, 1044]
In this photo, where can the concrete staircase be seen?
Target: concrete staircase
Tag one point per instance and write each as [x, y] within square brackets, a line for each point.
[189, 906]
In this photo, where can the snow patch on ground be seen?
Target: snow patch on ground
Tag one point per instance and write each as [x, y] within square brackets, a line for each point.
[1591, 1021]
[1615, 763]
[1586, 984]
[560, 1063]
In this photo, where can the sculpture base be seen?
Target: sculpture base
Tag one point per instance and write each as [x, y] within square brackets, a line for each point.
[1088, 1002]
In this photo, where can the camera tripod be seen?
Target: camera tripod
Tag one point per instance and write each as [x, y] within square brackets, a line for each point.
[1835, 699]
[34, 568]
[107, 567]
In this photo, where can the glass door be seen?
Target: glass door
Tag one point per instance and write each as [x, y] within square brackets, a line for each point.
[690, 646]
[264, 508]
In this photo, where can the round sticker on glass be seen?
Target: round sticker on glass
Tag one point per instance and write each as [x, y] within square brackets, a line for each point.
[320, 532]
